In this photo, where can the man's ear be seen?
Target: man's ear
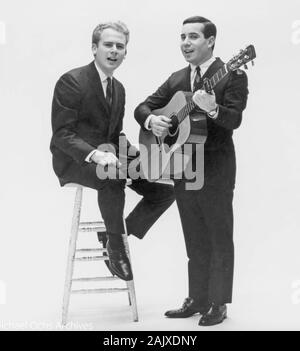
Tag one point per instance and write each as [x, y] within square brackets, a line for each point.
[94, 48]
[211, 41]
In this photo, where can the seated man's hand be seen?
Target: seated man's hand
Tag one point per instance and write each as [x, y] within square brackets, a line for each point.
[105, 158]
[159, 125]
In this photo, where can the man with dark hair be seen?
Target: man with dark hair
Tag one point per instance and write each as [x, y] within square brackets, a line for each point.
[209, 28]
[206, 214]
[87, 112]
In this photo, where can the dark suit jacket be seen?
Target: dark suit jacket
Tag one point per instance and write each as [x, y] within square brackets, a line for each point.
[231, 95]
[81, 118]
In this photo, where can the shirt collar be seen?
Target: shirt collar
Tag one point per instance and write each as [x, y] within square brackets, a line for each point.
[102, 75]
[204, 66]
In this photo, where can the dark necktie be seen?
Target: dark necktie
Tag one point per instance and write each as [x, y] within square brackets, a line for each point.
[198, 81]
[109, 91]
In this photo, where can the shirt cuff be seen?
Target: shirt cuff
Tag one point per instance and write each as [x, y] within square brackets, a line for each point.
[214, 114]
[88, 158]
[147, 122]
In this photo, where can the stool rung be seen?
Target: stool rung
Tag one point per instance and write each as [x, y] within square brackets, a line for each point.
[91, 258]
[91, 250]
[99, 291]
[92, 227]
[95, 279]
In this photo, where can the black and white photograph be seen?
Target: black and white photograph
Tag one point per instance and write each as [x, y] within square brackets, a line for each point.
[150, 167]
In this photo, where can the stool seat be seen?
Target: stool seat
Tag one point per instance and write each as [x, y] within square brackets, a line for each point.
[76, 185]
[128, 182]
[73, 185]
[165, 181]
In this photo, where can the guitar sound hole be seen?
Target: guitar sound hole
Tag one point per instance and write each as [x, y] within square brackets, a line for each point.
[175, 123]
[173, 131]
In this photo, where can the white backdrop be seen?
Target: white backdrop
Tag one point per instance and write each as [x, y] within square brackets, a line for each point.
[39, 41]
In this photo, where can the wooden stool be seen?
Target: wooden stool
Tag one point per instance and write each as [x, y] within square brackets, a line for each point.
[77, 227]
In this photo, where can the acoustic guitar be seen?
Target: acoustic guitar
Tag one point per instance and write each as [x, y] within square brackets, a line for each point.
[157, 154]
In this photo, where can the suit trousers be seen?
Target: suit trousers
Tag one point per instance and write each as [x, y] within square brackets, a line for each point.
[207, 221]
[157, 198]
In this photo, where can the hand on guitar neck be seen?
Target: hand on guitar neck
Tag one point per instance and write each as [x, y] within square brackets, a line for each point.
[205, 101]
[160, 125]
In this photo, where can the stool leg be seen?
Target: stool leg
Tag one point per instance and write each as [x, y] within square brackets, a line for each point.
[130, 284]
[71, 255]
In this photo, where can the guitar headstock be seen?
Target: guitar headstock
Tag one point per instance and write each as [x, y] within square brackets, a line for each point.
[242, 58]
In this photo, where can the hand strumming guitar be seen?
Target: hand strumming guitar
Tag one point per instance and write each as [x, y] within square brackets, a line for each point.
[159, 125]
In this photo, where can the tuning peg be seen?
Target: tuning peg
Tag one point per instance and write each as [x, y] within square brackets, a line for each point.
[252, 63]
[245, 66]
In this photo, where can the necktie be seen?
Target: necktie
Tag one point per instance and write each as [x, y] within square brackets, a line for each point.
[198, 81]
[109, 91]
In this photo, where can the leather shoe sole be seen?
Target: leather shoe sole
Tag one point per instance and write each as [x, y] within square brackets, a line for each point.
[208, 323]
[171, 314]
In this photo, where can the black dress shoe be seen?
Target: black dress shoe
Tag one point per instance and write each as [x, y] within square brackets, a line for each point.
[188, 309]
[119, 263]
[102, 238]
[215, 315]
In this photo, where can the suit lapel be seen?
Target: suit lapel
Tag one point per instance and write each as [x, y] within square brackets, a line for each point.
[187, 79]
[97, 87]
[213, 68]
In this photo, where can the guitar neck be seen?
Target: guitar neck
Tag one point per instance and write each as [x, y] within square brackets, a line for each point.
[218, 76]
[213, 81]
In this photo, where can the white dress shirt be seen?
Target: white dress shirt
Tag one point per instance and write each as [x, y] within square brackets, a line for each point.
[203, 68]
[103, 79]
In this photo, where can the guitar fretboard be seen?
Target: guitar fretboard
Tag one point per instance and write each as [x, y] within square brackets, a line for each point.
[213, 81]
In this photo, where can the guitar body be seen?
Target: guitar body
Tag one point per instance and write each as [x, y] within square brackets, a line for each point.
[162, 157]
